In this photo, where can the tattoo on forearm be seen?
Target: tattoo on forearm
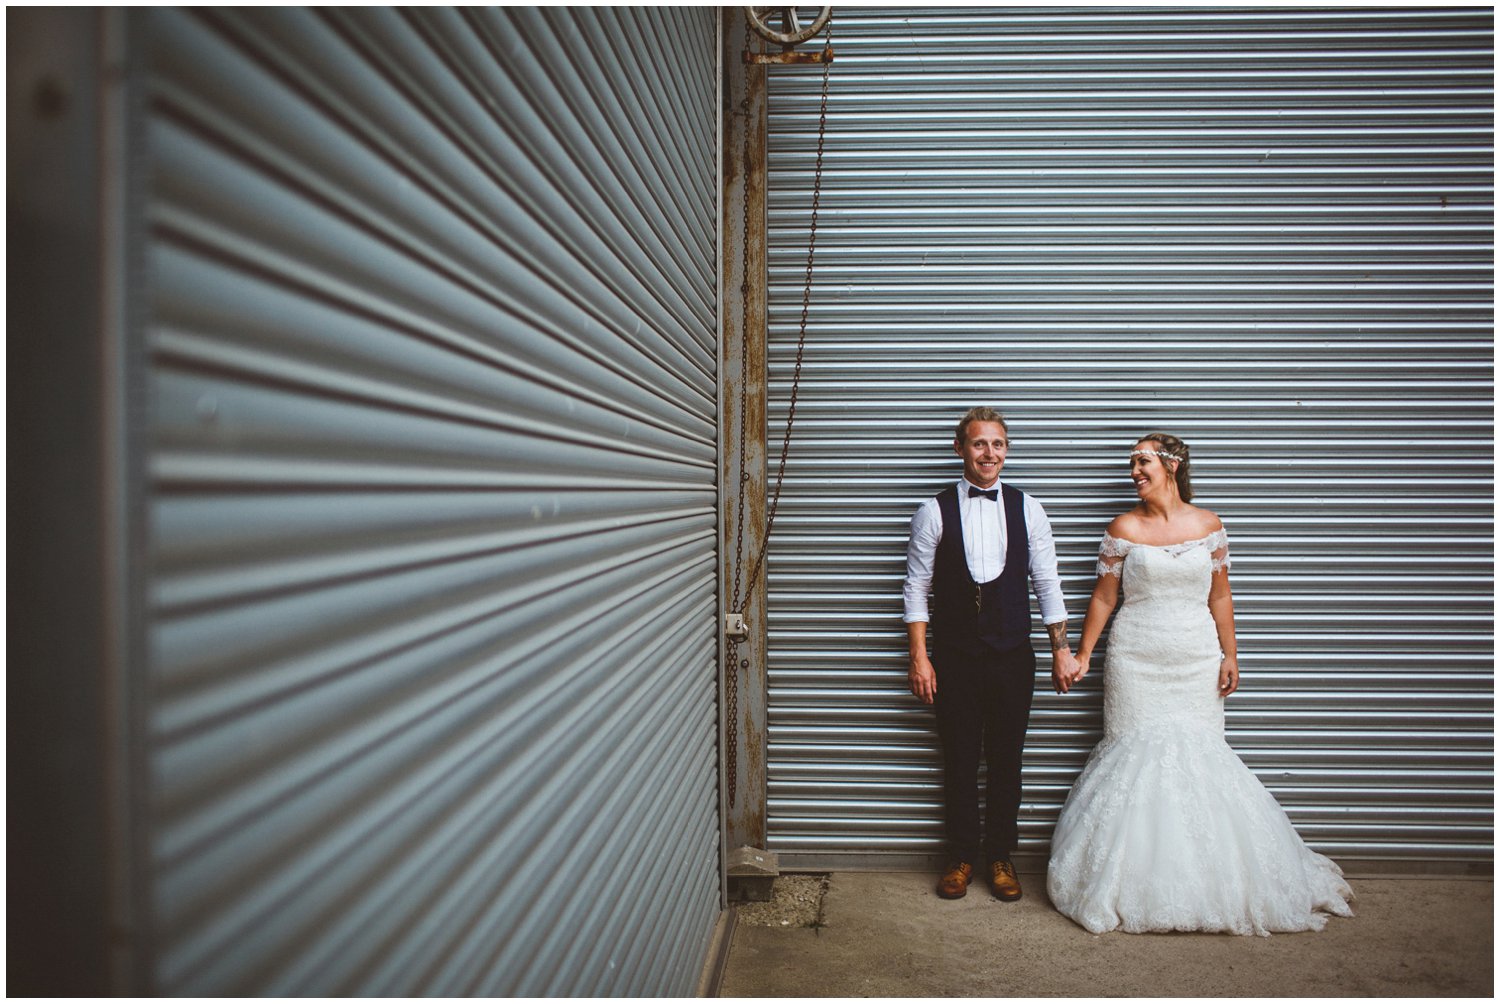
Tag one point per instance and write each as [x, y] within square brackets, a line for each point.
[1059, 634]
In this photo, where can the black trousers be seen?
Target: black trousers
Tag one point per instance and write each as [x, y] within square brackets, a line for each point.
[983, 704]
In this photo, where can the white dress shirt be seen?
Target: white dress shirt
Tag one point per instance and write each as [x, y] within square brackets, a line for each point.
[984, 547]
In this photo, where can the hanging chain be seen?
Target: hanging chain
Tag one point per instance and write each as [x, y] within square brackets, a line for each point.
[733, 664]
[745, 168]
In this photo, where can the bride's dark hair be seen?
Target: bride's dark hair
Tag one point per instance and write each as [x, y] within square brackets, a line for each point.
[1176, 447]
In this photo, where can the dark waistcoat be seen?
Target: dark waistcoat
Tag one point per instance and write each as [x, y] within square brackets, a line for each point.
[968, 615]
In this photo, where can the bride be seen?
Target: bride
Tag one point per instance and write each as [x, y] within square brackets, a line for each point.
[1166, 829]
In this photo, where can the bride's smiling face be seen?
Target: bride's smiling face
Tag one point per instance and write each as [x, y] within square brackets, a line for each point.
[1149, 472]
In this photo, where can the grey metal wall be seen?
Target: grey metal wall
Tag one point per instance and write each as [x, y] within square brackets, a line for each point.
[426, 701]
[1266, 230]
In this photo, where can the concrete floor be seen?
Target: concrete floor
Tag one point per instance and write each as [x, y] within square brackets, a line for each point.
[888, 935]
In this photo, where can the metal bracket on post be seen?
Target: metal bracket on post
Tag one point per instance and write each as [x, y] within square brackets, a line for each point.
[787, 57]
[735, 628]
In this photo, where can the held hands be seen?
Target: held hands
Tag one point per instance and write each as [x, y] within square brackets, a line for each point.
[1066, 670]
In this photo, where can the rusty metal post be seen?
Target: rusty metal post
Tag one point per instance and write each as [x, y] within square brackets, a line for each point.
[743, 469]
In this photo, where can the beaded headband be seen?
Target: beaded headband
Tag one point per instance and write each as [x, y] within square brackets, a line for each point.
[1156, 453]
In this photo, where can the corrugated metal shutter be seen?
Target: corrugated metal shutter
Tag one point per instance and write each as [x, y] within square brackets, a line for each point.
[430, 404]
[1266, 230]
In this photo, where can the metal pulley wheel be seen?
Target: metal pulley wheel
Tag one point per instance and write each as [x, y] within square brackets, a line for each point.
[798, 24]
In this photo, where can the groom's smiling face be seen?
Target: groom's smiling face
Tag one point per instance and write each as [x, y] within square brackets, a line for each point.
[983, 449]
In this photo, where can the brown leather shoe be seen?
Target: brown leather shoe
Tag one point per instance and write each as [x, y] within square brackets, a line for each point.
[955, 881]
[1003, 881]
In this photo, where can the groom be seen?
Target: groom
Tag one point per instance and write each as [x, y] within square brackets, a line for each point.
[973, 547]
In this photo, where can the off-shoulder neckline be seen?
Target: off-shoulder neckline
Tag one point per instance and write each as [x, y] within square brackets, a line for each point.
[1180, 543]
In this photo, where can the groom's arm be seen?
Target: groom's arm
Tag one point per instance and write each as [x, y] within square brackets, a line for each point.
[919, 673]
[1057, 632]
[1064, 666]
[921, 553]
[1047, 585]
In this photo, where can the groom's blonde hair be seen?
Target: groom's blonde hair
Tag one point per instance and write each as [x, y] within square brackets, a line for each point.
[983, 413]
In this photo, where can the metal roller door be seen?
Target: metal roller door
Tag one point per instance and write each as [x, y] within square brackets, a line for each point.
[426, 393]
[1266, 230]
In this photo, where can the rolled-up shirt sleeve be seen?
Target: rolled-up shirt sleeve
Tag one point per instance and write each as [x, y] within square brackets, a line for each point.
[921, 554]
[1045, 582]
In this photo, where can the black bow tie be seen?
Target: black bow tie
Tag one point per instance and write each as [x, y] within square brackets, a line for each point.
[993, 494]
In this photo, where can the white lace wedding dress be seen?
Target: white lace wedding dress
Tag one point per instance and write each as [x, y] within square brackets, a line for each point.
[1166, 829]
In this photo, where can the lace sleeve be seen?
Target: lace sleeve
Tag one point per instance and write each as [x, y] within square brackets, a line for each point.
[1112, 553]
[1218, 547]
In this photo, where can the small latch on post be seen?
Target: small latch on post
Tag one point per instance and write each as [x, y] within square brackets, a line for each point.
[734, 627]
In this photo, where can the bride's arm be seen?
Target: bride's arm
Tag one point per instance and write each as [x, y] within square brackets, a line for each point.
[1221, 606]
[1101, 605]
